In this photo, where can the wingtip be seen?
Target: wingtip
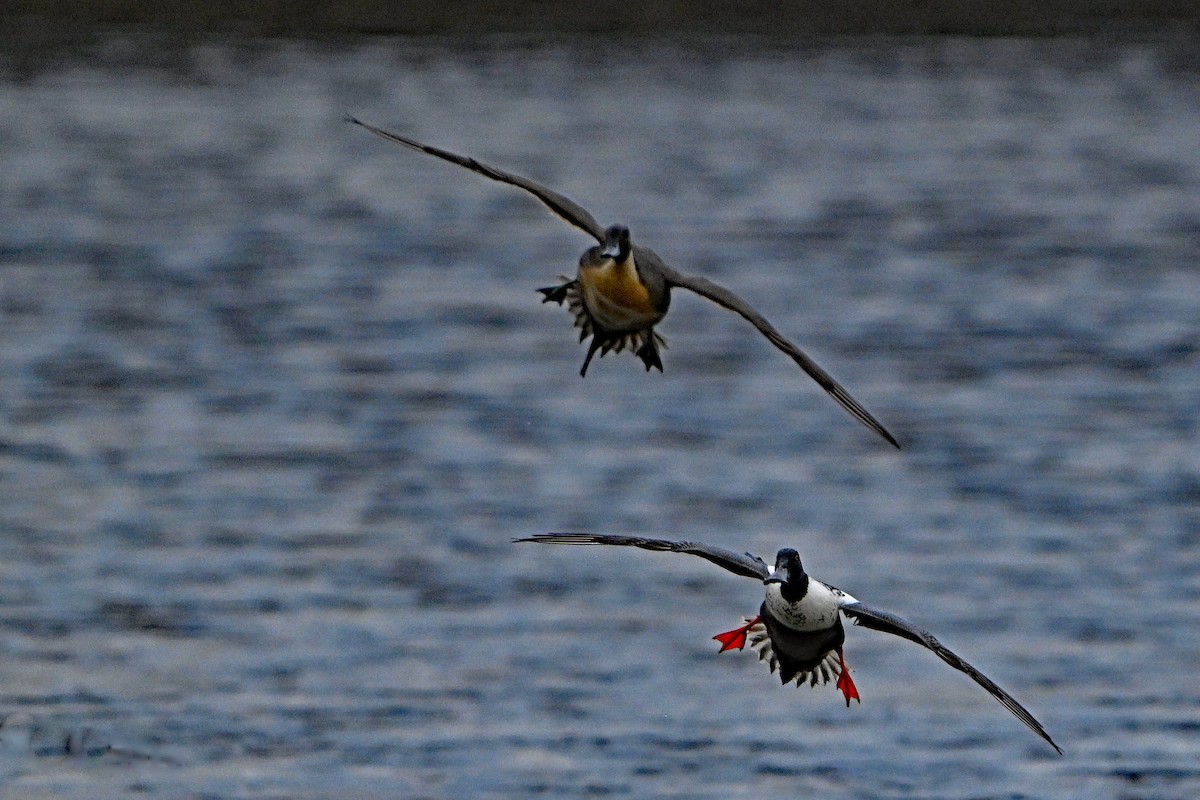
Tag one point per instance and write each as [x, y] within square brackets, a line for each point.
[1058, 751]
[862, 415]
[1051, 742]
[871, 424]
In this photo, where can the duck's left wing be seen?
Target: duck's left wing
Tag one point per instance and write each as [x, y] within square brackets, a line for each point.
[890, 623]
[727, 299]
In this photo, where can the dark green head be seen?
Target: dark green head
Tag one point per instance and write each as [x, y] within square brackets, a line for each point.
[789, 572]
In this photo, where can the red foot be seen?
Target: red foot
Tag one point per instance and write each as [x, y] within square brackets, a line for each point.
[735, 638]
[846, 683]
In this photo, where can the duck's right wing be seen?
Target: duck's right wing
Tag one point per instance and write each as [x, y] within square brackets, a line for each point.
[744, 564]
[564, 207]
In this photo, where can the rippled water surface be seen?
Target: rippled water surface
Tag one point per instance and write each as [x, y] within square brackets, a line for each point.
[275, 396]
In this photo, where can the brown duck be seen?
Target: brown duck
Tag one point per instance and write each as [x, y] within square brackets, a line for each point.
[622, 290]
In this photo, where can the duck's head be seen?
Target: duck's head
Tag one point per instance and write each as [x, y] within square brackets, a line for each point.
[789, 572]
[616, 244]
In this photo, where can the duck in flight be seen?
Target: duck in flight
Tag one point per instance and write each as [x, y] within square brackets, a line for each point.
[622, 290]
[798, 629]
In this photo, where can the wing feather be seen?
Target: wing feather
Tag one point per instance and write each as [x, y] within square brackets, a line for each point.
[727, 299]
[564, 207]
[890, 623]
[744, 564]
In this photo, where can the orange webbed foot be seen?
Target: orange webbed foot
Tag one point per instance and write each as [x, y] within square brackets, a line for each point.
[736, 638]
[845, 683]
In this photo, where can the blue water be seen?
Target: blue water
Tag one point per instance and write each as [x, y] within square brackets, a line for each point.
[276, 395]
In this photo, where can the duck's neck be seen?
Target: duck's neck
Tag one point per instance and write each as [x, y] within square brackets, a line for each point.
[794, 590]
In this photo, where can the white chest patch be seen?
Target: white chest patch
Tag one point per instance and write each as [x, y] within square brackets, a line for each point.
[816, 611]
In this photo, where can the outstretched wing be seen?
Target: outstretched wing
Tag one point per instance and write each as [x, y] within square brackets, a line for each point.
[890, 623]
[723, 297]
[564, 207]
[737, 563]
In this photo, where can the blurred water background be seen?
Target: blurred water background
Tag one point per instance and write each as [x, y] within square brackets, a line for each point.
[275, 395]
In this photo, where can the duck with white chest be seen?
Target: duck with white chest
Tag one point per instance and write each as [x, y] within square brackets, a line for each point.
[799, 629]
